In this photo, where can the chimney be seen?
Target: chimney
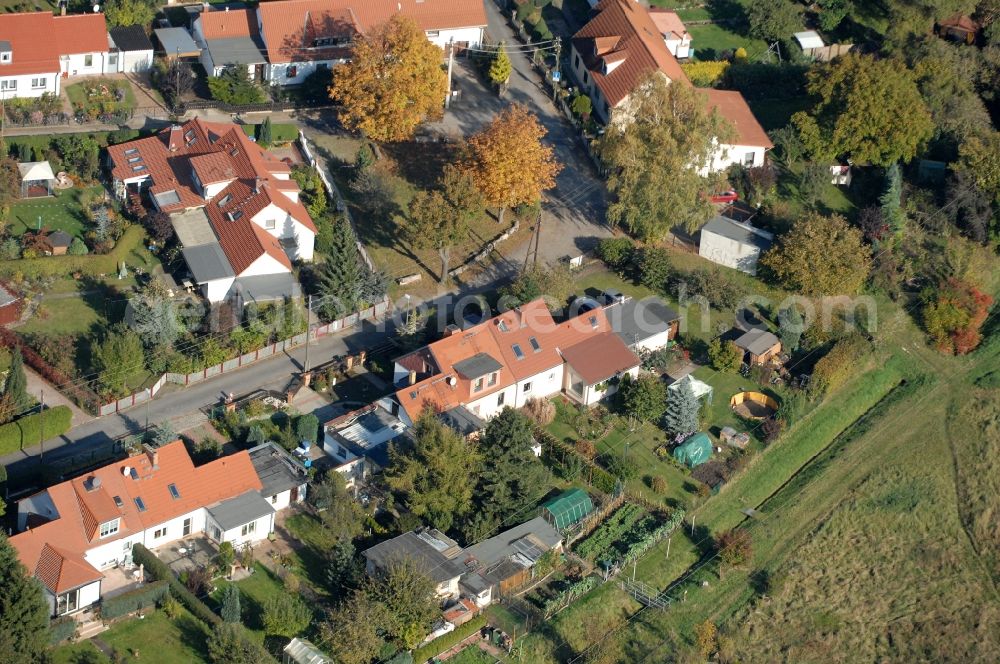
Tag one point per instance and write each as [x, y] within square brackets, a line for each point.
[154, 457]
[451, 329]
[413, 377]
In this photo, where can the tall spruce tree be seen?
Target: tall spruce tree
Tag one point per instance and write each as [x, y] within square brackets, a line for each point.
[891, 199]
[683, 408]
[17, 383]
[231, 604]
[340, 280]
[511, 476]
[24, 614]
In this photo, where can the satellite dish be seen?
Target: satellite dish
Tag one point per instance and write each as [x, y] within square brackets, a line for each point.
[97, 8]
[126, 471]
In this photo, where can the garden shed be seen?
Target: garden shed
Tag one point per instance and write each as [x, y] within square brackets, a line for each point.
[37, 179]
[694, 451]
[568, 508]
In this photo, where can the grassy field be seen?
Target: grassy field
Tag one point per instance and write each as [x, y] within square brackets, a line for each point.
[254, 591]
[155, 638]
[472, 655]
[709, 41]
[61, 212]
[281, 132]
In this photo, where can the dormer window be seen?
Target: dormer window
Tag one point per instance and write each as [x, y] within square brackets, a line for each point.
[6, 52]
[5, 57]
[235, 215]
[109, 528]
[479, 384]
[493, 378]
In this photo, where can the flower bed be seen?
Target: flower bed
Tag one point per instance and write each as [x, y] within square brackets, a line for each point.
[102, 99]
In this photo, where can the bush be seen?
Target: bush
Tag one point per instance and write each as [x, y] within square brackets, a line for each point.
[707, 73]
[29, 430]
[658, 485]
[134, 600]
[616, 252]
[540, 411]
[61, 629]
[158, 569]
[442, 643]
[725, 357]
[838, 365]
[524, 11]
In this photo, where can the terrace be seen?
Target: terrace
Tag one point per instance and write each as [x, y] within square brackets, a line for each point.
[187, 554]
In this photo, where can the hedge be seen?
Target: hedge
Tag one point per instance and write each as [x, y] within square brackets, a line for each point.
[61, 629]
[81, 396]
[134, 600]
[705, 73]
[159, 570]
[91, 264]
[449, 640]
[29, 431]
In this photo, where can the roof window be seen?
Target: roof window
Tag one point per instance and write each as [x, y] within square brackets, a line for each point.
[139, 167]
[503, 326]
[118, 502]
[132, 160]
[174, 493]
[234, 152]
[132, 151]
[593, 322]
[140, 505]
[225, 199]
[517, 351]
[189, 134]
[192, 141]
[534, 344]
[235, 215]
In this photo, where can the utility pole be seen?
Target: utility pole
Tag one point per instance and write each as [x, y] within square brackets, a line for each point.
[451, 65]
[41, 426]
[668, 548]
[555, 72]
[309, 310]
[177, 77]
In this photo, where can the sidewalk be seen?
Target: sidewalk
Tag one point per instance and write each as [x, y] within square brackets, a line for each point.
[39, 387]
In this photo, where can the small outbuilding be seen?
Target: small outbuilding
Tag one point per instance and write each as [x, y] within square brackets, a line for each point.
[300, 651]
[177, 43]
[58, 242]
[134, 48]
[809, 41]
[959, 28]
[568, 508]
[758, 346]
[733, 244]
[37, 179]
[694, 451]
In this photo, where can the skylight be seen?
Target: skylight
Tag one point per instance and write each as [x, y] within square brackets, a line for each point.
[131, 151]
[172, 488]
[139, 167]
[593, 322]
[234, 152]
[189, 134]
[132, 160]
[534, 344]
[517, 351]
[118, 502]
[503, 326]
[225, 199]
[141, 505]
[235, 215]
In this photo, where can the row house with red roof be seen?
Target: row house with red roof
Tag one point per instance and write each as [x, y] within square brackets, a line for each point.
[38, 50]
[233, 205]
[71, 535]
[620, 46]
[284, 41]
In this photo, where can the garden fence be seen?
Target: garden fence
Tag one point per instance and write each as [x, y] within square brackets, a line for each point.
[243, 360]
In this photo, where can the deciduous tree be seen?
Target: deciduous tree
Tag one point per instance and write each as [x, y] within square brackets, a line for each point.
[433, 476]
[116, 358]
[858, 112]
[439, 218]
[774, 20]
[393, 82]
[24, 614]
[554, 283]
[645, 396]
[820, 256]
[508, 161]
[285, 615]
[351, 631]
[954, 314]
[655, 157]
[231, 643]
[128, 12]
[735, 547]
[234, 86]
[407, 595]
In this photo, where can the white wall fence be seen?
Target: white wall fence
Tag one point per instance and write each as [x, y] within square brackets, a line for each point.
[235, 363]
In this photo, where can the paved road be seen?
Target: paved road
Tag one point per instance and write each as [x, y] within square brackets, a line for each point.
[99, 433]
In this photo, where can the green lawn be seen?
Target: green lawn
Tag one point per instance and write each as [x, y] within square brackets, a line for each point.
[154, 638]
[61, 212]
[92, 104]
[281, 132]
[472, 655]
[709, 41]
[255, 590]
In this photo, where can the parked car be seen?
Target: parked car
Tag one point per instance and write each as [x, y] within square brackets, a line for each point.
[725, 197]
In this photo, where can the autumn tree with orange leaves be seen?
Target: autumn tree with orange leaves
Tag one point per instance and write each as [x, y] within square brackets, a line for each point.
[508, 162]
[954, 314]
[394, 81]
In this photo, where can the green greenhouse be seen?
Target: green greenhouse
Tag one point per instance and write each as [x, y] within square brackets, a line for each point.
[567, 508]
[694, 451]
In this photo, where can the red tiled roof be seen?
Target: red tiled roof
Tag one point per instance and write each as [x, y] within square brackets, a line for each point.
[601, 357]
[37, 40]
[213, 167]
[731, 105]
[959, 21]
[228, 24]
[70, 534]
[624, 28]
[668, 22]
[242, 240]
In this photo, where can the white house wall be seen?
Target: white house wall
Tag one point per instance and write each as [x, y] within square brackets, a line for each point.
[76, 64]
[106, 555]
[278, 74]
[266, 264]
[655, 342]
[264, 525]
[136, 61]
[89, 594]
[727, 155]
[731, 253]
[286, 227]
[216, 290]
[543, 384]
[488, 406]
[23, 85]
[473, 36]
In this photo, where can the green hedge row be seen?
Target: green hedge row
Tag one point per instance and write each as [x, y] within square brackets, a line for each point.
[159, 570]
[61, 629]
[91, 264]
[134, 600]
[442, 643]
[592, 473]
[30, 430]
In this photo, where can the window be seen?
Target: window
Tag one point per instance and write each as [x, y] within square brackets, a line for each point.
[586, 78]
[534, 344]
[748, 159]
[5, 57]
[503, 326]
[134, 160]
[8, 85]
[68, 602]
[527, 388]
[109, 527]
[292, 71]
[141, 506]
[234, 215]
[131, 151]
[576, 61]
[269, 224]
[248, 528]
[189, 134]
[593, 322]
[225, 199]
[174, 493]
[186, 527]
[518, 353]
[216, 534]
[274, 499]
[88, 61]
[126, 547]
[118, 502]
[37, 83]
[432, 33]
[138, 167]
[159, 532]
[112, 59]
[493, 379]
[478, 387]
[500, 399]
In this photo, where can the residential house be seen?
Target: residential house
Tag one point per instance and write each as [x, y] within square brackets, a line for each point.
[734, 244]
[233, 205]
[73, 532]
[479, 573]
[38, 50]
[284, 480]
[230, 38]
[358, 441]
[134, 48]
[758, 346]
[513, 357]
[620, 47]
[675, 35]
[643, 324]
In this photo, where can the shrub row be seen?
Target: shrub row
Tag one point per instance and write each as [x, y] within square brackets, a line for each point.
[83, 397]
[449, 640]
[91, 264]
[32, 429]
[159, 570]
[134, 600]
[594, 475]
[61, 629]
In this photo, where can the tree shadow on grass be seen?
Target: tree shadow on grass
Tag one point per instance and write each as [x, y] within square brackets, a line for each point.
[192, 633]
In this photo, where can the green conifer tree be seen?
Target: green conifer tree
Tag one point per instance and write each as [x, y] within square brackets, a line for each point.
[682, 409]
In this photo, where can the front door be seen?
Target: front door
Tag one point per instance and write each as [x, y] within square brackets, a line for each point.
[295, 494]
[258, 73]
